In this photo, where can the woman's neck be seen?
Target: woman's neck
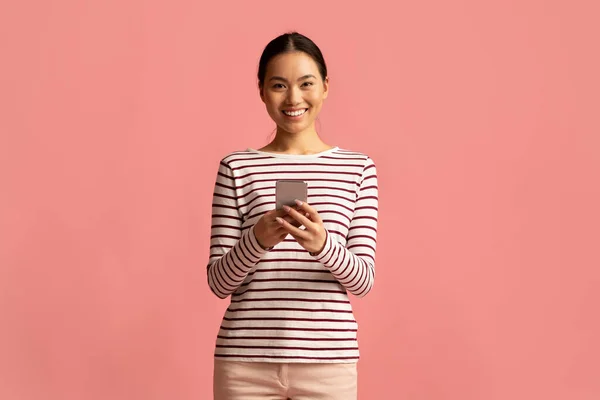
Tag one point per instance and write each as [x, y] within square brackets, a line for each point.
[307, 142]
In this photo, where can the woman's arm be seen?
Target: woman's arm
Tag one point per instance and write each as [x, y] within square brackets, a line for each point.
[354, 265]
[232, 253]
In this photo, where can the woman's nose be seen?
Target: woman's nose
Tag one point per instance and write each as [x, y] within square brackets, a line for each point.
[294, 96]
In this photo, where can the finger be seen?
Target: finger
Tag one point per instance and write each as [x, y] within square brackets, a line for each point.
[292, 230]
[270, 216]
[291, 220]
[273, 212]
[279, 213]
[313, 215]
[298, 216]
[283, 214]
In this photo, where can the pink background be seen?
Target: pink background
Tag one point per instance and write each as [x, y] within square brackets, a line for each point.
[482, 118]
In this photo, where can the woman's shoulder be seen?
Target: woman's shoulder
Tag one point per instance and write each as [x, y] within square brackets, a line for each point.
[354, 155]
[236, 155]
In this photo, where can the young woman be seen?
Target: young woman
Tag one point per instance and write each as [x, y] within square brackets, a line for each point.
[289, 332]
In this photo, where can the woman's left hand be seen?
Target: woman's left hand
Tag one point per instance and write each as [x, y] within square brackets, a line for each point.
[313, 236]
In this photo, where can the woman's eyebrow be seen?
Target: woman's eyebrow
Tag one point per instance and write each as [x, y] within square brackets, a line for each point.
[279, 78]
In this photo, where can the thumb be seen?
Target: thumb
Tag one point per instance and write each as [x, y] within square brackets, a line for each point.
[271, 213]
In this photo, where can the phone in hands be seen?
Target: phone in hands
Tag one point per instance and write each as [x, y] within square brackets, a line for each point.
[287, 191]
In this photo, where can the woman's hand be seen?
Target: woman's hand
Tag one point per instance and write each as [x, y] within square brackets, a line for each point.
[268, 231]
[313, 236]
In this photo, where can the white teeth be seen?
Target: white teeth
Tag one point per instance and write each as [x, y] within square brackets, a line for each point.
[294, 113]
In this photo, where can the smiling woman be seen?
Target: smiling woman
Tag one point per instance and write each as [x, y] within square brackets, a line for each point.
[293, 83]
[289, 331]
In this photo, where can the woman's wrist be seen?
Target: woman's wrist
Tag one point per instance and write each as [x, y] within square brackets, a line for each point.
[262, 246]
[322, 247]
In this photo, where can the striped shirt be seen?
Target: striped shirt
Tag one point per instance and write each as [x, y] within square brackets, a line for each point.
[288, 305]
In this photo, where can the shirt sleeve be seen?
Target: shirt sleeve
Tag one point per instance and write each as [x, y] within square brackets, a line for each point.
[233, 254]
[354, 265]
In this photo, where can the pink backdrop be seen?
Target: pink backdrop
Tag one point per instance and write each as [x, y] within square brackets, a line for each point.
[483, 121]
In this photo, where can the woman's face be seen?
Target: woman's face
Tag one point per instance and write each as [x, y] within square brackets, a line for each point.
[293, 91]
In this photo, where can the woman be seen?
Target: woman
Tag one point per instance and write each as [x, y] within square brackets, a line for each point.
[289, 332]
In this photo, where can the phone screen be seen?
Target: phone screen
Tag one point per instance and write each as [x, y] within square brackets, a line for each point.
[287, 191]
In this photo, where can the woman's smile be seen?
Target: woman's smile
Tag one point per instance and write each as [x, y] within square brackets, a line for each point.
[295, 114]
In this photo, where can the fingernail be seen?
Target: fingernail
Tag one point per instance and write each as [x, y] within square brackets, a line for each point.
[298, 202]
[286, 208]
[280, 220]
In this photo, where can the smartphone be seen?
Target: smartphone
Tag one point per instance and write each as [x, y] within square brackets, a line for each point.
[287, 191]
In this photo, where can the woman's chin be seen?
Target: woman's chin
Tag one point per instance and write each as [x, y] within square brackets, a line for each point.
[292, 128]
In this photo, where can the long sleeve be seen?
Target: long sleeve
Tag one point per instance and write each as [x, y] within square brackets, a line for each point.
[232, 253]
[353, 265]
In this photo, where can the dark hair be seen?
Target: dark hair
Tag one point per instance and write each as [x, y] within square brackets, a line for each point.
[287, 43]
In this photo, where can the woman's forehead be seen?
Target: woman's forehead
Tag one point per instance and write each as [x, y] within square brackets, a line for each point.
[292, 64]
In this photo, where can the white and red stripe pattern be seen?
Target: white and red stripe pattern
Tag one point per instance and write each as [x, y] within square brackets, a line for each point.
[288, 305]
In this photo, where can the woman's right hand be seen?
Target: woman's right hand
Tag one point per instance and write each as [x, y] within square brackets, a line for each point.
[268, 231]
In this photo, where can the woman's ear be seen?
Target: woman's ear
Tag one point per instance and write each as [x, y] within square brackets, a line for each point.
[261, 93]
[325, 87]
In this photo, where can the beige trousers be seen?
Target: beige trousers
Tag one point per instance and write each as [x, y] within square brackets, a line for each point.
[235, 380]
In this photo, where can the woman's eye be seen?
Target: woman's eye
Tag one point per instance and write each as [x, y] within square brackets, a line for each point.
[277, 86]
[308, 83]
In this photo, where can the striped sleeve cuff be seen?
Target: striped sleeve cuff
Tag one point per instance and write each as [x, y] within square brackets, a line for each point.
[254, 248]
[326, 251]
